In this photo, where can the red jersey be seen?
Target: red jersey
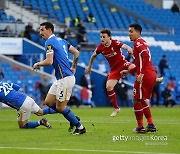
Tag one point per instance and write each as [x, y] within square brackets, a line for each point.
[142, 59]
[112, 53]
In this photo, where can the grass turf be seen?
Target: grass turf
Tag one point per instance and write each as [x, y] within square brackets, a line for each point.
[105, 134]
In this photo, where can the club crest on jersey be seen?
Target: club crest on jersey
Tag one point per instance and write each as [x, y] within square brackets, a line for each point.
[117, 42]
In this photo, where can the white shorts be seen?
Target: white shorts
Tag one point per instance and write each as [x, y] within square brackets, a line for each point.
[29, 106]
[62, 88]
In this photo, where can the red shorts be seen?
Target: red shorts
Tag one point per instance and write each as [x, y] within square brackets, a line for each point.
[144, 90]
[115, 73]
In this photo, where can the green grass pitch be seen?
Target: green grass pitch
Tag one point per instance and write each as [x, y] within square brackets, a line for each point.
[105, 134]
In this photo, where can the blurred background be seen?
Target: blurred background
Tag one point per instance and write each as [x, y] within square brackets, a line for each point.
[79, 22]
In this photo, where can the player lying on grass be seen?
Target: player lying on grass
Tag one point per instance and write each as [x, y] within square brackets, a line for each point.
[24, 104]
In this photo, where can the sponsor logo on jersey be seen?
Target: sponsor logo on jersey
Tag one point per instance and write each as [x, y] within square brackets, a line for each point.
[111, 55]
[138, 44]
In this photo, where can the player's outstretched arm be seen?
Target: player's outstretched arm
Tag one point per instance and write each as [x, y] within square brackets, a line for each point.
[93, 56]
[75, 52]
[46, 62]
[129, 49]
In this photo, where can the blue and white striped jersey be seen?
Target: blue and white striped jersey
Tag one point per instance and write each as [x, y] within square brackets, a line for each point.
[60, 48]
[10, 96]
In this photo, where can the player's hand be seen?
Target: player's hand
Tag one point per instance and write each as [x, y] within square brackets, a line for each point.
[124, 73]
[130, 51]
[88, 69]
[140, 78]
[35, 66]
[73, 70]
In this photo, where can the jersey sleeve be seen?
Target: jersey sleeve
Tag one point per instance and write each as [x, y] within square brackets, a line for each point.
[49, 48]
[140, 46]
[119, 44]
[142, 49]
[67, 43]
[98, 49]
[145, 59]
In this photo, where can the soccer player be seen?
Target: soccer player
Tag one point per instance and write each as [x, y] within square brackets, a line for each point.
[25, 105]
[145, 79]
[60, 92]
[111, 50]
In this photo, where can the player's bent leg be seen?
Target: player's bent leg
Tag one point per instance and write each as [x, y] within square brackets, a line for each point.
[48, 110]
[50, 101]
[69, 115]
[112, 96]
[28, 125]
[39, 112]
[45, 111]
[110, 84]
[22, 123]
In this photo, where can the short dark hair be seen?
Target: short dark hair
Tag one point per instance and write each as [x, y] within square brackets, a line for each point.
[48, 25]
[106, 31]
[137, 27]
[164, 56]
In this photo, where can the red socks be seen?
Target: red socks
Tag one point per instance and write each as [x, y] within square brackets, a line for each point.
[147, 112]
[138, 110]
[112, 98]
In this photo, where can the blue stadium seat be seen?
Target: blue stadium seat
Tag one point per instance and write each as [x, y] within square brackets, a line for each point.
[34, 37]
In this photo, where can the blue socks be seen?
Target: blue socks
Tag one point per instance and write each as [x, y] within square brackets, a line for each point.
[48, 110]
[54, 107]
[69, 115]
[32, 124]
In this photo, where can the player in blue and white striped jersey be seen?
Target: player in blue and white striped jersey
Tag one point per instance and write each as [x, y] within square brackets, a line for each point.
[61, 90]
[25, 105]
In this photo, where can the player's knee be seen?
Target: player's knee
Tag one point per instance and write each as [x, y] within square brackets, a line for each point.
[48, 103]
[109, 87]
[21, 125]
[60, 106]
[39, 112]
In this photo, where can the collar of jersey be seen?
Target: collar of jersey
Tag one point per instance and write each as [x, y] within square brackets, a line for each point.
[51, 36]
[109, 44]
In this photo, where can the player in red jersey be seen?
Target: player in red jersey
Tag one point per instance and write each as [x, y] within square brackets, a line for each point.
[145, 79]
[111, 50]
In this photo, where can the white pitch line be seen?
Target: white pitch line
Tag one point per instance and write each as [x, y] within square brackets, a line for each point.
[81, 150]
